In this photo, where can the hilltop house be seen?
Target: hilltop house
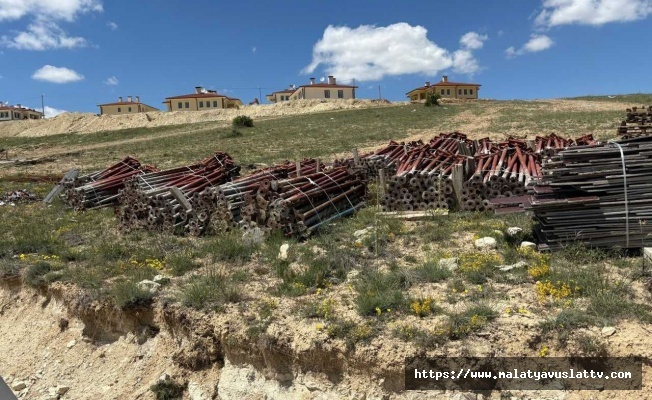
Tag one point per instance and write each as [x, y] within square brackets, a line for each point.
[446, 90]
[330, 90]
[125, 107]
[18, 112]
[201, 100]
[281, 95]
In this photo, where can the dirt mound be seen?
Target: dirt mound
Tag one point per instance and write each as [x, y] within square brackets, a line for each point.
[89, 123]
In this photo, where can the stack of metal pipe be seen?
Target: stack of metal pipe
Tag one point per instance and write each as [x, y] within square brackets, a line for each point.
[163, 200]
[385, 158]
[242, 201]
[551, 144]
[298, 206]
[423, 177]
[101, 188]
[637, 122]
[595, 194]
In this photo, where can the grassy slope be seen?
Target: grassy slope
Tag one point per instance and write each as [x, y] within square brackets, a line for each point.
[312, 135]
[640, 99]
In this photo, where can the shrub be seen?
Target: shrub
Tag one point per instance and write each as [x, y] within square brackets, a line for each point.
[34, 276]
[9, 269]
[430, 271]
[128, 295]
[168, 390]
[210, 291]
[432, 99]
[470, 320]
[229, 247]
[243, 121]
[180, 263]
[379, 292]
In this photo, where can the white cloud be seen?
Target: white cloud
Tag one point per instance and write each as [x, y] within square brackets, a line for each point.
[49, 73]
[44, 32]
[66, 10]
[536, 44]
[111, 81]
[369, 53]
[464, 62]
[112, 25]
[43, 35]
[592, 12]
[53, 112]
[473, 40]
[253, 49]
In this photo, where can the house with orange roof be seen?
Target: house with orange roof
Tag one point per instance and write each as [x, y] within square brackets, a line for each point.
[122, 107]
[446, 90]
[18, 112]
[201, 100]
[330, 90]
[281, 95]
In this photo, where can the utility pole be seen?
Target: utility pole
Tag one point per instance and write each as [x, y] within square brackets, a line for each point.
[380, 96]
[260, 95]
[43, 104]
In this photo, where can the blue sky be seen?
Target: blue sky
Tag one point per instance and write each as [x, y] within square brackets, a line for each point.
[80, 53]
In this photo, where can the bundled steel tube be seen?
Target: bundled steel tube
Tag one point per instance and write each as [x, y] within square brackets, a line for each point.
[101, 188]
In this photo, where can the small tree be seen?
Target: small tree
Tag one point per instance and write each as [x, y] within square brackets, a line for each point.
[243, 121]
[432, 99]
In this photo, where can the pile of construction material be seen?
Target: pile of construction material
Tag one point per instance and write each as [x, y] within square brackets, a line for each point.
[101, 188]
[17, 196]
[453, 172]
[163, 200]
[600, 195]
[638, 122]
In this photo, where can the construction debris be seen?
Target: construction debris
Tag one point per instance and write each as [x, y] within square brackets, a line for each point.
[16, 197]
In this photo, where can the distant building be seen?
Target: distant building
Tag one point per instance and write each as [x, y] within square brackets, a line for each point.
[201, 100]
[446, 90]
[18, 112]
[281, 95]
[125, 107]
[330, 90]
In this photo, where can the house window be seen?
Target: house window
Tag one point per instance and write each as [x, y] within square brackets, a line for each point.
[465, 92]
[201, 104]
[448, 92]
[442, 91]
[215, 104]
[471, 91]
[180, 105]
[187, 104]
[327, 94]
[119, 109]
[459, 91]
[129, 109]
[340, 94]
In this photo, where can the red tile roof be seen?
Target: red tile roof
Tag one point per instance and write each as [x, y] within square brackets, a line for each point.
[326, 85]
[195, 96]
[455, 84]
[19, 109]
[121, 103]
[444, 84]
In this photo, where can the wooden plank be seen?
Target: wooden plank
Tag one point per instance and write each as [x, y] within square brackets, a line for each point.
[70, 175]
[414, 215]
